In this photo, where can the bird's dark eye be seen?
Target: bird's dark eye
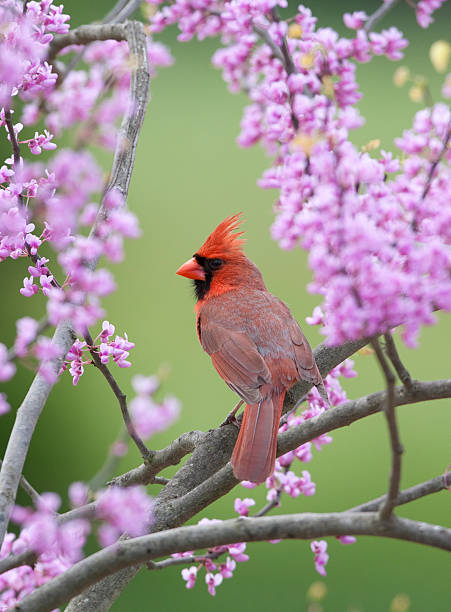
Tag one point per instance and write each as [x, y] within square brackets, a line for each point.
[215, 263]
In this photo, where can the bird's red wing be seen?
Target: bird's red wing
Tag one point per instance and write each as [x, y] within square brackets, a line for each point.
[236, 360]
[305, 362]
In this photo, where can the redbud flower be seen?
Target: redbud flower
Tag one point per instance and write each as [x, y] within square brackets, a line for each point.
[29, 288]
[7, 369]
[4, 406]
[212, 580]
[242, 505]
[78, 494]
[190, 575]
[346, 539]
[126, 510]
[237, 552]
[321, 557]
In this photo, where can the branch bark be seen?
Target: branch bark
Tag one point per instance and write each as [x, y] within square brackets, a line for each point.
[297, 526]
[395, 441]
[379, 14]
[84, 35]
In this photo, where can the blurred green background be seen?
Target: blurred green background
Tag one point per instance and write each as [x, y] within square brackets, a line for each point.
[189, 175]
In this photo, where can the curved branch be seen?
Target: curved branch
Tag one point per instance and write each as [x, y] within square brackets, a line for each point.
[297, 526]
[84, 35]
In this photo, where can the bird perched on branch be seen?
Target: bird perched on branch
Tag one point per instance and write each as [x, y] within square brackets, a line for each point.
[253, 340]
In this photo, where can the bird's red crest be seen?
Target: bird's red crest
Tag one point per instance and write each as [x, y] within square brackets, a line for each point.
[224, 240]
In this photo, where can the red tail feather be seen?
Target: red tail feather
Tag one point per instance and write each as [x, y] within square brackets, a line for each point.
[255, 449]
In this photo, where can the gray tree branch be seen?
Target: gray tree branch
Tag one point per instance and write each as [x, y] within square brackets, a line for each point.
[295, 526]
[84, 35]
[379, 14]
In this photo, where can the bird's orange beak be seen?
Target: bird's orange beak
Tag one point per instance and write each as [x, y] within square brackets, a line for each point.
[191, 269]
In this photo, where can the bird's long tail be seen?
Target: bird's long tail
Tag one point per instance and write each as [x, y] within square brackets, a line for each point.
[254, 454]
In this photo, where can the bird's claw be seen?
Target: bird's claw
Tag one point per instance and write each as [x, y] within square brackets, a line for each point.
[230, 420]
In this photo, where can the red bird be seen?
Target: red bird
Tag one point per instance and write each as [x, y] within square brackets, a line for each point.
[254, 342]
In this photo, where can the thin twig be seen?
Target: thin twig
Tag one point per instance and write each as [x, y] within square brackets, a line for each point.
[28, 488]
[275, 502]
[121, 398]
[110, 464]
[12, 137]
[395, 442]
[121, 13]
[435, 485]
[373, 19]
[436, 162]
[394, 357]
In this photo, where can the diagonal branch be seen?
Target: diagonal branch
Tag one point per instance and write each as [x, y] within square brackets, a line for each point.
[395, 442]
[379, 14]
[33, 404]
[121, 398]
[394, 357]
[298, 526]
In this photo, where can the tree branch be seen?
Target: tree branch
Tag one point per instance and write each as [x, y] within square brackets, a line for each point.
[436, 162]
[31, 408]
[84, 35]
[435, 485]
[121, 398]
[394, 357]
[171, 455]
[206, 476]
[298, 526]
[28, 488]
[395, 442]
[379, 14]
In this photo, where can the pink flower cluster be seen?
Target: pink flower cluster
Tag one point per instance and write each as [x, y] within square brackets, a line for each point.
[149, 416]
[23, 47]
[57, 546]
[118, 350]
[126, 510]
[374, 262]
[214, 572]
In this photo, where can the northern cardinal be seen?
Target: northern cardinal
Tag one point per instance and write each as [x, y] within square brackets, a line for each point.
[254, 342]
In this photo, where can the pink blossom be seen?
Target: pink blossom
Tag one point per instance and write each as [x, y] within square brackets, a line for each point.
[213, 580]
[248, 484]
[226, 569]
[27, 328]
[125, 510]
[321, 557]
[242, 505]
[7, 369]
[388, 42]
[355, 20]
[45, 349]
[190, 575]
[4, 406]
[29, 289]
[346, 539]
[236, 551]
[78, 494]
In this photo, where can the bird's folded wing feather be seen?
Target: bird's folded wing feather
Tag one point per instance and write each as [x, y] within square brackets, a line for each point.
[236, 359]
[305, 362]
